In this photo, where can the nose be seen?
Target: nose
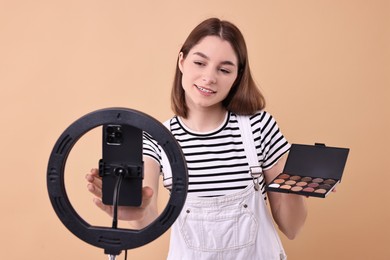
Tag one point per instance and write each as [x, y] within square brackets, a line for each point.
[209, 77]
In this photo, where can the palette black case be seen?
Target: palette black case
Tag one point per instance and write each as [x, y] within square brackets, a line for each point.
[311, 170]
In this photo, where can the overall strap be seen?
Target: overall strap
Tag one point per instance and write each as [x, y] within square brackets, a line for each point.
[166, 166]
[250, 149]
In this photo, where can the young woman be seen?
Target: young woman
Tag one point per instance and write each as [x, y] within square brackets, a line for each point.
[224, 217]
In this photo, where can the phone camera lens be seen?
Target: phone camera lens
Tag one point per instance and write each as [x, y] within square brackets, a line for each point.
[110, 139]
[110, 129]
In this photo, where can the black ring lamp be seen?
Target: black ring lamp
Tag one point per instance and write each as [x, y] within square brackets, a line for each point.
[116, 240]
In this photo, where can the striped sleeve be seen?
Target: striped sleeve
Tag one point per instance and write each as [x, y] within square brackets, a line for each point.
[151, 147]
[272, 145]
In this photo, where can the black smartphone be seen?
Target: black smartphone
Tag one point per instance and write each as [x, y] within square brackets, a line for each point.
[121, 155]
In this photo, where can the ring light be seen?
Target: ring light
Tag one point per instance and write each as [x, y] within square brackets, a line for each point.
[116, 240]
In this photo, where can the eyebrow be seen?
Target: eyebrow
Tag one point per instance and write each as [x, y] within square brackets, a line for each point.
[227, 62]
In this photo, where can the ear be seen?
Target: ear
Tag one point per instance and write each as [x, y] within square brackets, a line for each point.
[180, 61]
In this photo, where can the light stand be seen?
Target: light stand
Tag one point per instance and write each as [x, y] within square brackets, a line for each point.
[113, 241]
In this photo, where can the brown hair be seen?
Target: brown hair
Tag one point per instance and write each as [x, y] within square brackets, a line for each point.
[244, 97]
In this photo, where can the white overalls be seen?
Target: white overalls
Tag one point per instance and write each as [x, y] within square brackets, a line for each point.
[235, 226]
[232, 227]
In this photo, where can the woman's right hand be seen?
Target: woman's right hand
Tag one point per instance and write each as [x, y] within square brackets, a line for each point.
[124, 213]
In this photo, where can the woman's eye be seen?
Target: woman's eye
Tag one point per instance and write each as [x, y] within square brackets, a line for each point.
[199, 63]
[225, 71]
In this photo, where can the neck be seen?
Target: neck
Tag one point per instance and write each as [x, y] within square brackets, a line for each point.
[205, 120]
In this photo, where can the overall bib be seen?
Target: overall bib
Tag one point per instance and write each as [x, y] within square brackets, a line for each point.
[232, 227]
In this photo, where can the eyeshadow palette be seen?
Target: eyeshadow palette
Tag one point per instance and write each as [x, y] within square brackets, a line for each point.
[311, 170]
[307, 186]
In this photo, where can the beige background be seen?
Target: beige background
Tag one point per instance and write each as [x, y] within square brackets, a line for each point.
[323, 66]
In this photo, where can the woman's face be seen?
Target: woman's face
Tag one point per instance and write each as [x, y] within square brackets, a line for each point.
[208, 73]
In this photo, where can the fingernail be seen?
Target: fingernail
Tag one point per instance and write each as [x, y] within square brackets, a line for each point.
[90, 187]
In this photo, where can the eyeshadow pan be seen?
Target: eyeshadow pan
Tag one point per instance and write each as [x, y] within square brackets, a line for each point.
[322, 191]
[313, 185]
[308, 189]
[274, 185]
[325, 186]
[284, 176]
[318, 180]
[290, 182]
[285, 187]
[296, 188]
[301, 183]
[306, 179]
[278, 181]
[295, 177]
[330, 181]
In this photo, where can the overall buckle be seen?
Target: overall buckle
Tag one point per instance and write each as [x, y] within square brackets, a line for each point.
[256, 172]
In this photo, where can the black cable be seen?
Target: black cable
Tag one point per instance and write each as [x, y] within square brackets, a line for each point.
[115, 201]
[115, 205]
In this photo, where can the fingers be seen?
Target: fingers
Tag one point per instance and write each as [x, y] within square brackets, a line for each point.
[105, 208]
[94, 183]
[94, 172]
[147, 194]
[94, 190]
[94, 177]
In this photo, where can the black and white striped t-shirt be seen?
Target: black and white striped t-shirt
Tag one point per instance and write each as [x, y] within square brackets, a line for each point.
[216, 160]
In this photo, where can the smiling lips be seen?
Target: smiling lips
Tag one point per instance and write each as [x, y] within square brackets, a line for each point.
[205, 90]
